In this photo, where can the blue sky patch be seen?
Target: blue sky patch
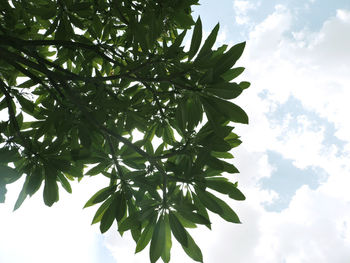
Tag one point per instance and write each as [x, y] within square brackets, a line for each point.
[286, 179]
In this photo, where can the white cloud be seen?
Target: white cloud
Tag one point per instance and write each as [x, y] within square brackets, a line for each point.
[241, 9]
[37, 234]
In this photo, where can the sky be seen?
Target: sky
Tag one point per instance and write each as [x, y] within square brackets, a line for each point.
[294, 160]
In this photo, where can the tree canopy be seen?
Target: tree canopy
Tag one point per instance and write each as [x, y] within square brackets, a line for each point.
[106, 87]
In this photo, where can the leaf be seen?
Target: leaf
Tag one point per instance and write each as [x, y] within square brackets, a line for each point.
[178, 230]
[224, 155]
[196, 39]
[229, 59]
[100, 196]
[208, 201]
[225, 90]
[244, 84]
[158, 240]
[227, 213]
[101, 167]
[192, 249]
[35, 180]
[3, 192]
[145, 237]
[101, 210]
[51, 187]
[64, 182]
[232, 73]
[8, 174]
[184, 20]
[22, 195]
[130, 222]
[194, 217]
[225, 187]
[168, 244]
[27, 105]
[208, 44]
[220, 107]
[108, 216]
[185, 222]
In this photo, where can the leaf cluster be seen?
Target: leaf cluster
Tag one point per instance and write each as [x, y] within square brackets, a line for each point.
[79, 80]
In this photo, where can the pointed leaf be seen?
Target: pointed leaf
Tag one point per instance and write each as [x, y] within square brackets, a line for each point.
[158, 240]
[100, 195]
[178, 230]
[145, 237]
[196, 39]
[192, 249]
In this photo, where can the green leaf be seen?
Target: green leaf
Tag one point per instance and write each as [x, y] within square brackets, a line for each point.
[64, 182]
[130, 222]
[22, 195]
[184, 20]
[178, 230]
[101, 195]
[232, 73]
[227, 213]
[101, 167]
[185, 222]
[158, 240]
[219, 107]
[168, 244]
[196, 39]
[193, 250]
[51, 187]
[208, 201]
[108, 217]
[101, 210]
[27, 105]
[194, 217]
[229, 59]
[35, 180]
[244, 84]
[208, 44]
[224, 155]
[8, 174]
[225, 90]
[225, 187]
[145, 237]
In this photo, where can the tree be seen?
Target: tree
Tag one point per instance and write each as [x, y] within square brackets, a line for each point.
[78, 78]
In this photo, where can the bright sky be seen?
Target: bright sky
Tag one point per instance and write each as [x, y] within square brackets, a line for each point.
[294, 160]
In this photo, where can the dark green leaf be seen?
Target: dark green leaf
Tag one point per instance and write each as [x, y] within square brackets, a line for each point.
[22, 195]
[225, 187]
[178, 230]
[100, 196]
[130, 222]
[166, 252]
[192, 249]
[51, 187]
[108, 216]
[227, 213]
[208, 201]
[208, 44]
[145, 237]
[225, 90]
[8, 174]
[220, 107]
[229, 59]
[244, 84]
[158, 240]
[196, 39]
[101, 210]
[232, 73]
[64, 182]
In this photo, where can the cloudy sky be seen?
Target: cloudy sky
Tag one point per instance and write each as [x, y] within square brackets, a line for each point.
[294, 160]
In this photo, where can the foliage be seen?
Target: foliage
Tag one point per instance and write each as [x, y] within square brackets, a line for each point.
[78, 78]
